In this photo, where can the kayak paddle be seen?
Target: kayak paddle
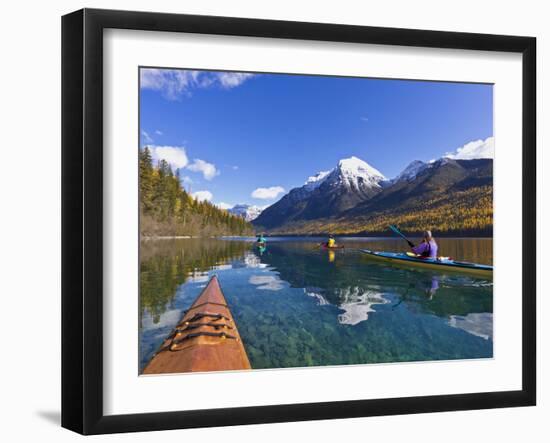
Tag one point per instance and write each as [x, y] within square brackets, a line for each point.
[398, 232]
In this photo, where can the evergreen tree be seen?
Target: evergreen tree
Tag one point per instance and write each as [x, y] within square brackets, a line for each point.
[167, 209]
[146, 179]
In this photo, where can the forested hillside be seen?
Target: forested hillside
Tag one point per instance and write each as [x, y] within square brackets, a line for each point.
[166, 209]
[458, 212]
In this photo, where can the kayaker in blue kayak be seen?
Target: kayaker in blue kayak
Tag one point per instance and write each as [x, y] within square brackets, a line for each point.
[428, 246]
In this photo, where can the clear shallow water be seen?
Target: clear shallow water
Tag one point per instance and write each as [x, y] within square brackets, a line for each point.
[296, 305]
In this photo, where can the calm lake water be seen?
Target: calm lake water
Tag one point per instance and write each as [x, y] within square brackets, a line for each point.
[296, 305]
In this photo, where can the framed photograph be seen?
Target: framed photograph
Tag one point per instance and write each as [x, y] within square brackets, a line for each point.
[269, 221]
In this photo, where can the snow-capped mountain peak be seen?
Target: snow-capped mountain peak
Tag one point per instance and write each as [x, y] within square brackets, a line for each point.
[351, 172]
[354, 165]
[356, 173]
[412, 170]
[314, 181]
[248, 212]
[477, 149]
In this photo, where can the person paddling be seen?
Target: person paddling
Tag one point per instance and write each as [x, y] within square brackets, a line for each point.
[428, 247]
[261, 241]
[331, 243]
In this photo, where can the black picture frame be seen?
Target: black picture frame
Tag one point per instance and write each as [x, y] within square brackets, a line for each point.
[82, 219]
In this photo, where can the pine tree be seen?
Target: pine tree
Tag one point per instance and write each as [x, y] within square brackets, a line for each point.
[168, 208]
[146, 179]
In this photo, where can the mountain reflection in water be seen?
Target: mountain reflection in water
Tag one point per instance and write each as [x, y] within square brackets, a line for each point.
[357, 303]
[297, 305]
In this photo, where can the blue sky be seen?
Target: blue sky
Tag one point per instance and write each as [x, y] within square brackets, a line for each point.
[233, 134]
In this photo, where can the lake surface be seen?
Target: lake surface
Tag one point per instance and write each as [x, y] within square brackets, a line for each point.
[296, 305]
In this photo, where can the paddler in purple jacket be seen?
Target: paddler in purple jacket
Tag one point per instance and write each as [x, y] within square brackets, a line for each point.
[428, 247]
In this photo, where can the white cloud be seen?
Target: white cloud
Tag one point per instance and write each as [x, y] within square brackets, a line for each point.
[235, 168]
[268, 193]
[208, 170]
[146, 137]
[365, 119]
[474, 149]
[171, 82]
[203, 195]
[175, 155]
[175, 83]
[230, 80]
[158, 132]
[223, 205]
[186, 179]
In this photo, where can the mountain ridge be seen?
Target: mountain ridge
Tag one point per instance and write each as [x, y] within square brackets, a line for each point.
[325, 193]
[354, 196]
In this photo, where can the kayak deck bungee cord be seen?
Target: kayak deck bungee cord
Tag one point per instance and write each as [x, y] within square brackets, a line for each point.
[206, 339]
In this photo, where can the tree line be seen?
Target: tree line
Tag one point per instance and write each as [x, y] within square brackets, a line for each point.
[167, 209]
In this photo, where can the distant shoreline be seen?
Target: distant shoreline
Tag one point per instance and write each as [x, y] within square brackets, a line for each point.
[350, 236]
[168, 237]
[482, 233]
[389, 236]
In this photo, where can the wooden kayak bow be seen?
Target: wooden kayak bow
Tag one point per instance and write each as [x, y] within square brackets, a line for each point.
[206, 339]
